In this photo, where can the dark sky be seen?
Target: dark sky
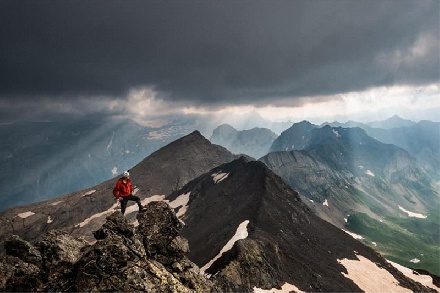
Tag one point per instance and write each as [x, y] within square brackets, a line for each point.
[211, 53]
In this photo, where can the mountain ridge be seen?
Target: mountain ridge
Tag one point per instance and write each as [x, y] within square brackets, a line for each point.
[365, 186]
[285, 241]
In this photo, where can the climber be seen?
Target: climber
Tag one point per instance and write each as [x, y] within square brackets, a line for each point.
[123, 192]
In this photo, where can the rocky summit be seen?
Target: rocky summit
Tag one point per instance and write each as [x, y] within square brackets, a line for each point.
[150, 257]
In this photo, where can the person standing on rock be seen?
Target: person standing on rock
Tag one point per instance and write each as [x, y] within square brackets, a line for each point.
[123, 192]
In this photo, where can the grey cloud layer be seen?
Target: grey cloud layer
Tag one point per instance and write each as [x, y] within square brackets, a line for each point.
[215, 52]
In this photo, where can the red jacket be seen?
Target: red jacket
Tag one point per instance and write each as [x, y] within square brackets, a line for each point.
[123, 188]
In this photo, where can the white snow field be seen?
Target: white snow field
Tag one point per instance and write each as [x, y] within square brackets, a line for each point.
[369, 277]
[180, 201]
[368, 172]
[284, 289]
[25, 215]
[354, 235]
[219, 176]
[412, 215]
[425, 280]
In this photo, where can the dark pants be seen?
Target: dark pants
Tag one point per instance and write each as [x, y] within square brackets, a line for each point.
[125, 199]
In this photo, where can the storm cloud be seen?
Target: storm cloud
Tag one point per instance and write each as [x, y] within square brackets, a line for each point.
[214, 52]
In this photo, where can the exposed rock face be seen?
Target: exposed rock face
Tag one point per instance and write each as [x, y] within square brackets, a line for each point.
[248, 266]
[148, 258]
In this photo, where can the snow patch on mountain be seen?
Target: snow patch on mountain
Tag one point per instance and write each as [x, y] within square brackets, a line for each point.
[89, 192]
[180, 201]
[98, 215]
[423, 279]
[413, 215]
[354, 235]
[56, 203]
[336, 133]
[240, 233]
[287, 287]
[25, 215]
[325, 203]
[49, 219]
[363, 270]
[415, 260]
[368, 172]
[219, 176]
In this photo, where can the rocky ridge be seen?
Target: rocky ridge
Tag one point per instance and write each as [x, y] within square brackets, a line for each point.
[278, 239]
[150, 257]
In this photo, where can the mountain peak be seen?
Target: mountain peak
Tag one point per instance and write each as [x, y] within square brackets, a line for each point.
[392, 122]
[241, 215]
[294, 138]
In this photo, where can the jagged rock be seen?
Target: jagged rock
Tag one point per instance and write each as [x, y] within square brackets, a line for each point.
[15, 246]
[158, 227]
[178, 245]
[18, 275]
[246, 266]
[59, 247]
[115, 224]
[118, 261]
[121, 257]
[59, 252]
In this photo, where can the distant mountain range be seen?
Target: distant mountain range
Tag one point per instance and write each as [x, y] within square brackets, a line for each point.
[381, 184]
[41, 160]
[392, 122]
[375, 189]
[247, 230]
[254, 142]
[421, 139]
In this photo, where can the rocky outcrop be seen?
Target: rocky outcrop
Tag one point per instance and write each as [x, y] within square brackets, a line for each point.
[150, 257]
